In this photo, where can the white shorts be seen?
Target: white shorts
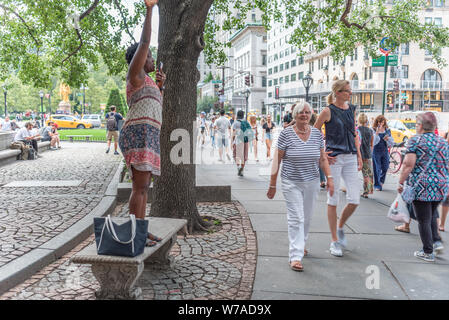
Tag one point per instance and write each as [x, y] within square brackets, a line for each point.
[345, 168]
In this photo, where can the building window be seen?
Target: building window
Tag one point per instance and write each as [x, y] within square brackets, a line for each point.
[264, 59]
[300, 61]
[286, 79]
[287, 65]
[287, 52]
[270, 83]
[293, 49]
[275, 82]
[395, 72]
[405, 49]
[275, 69]
[281, 67]
[301, 75]
[264, 82]
[281, 80]
[253, 17]
[281, 54]
[270, 71]
[270, 94]
[276, 57]
[293, 77]
[293, 63]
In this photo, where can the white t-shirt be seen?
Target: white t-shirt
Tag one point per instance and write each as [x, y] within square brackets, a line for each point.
[22, 134]
[6, 126]
[223, 125]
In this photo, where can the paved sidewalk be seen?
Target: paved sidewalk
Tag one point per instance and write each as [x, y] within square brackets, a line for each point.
[374, 246]
[42, 201]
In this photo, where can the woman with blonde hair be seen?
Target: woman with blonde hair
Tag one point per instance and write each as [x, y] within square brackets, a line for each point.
[366, 136]
[345, 159]
[253, 122]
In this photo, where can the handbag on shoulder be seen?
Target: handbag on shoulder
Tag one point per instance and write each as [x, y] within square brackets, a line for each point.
[127, 239]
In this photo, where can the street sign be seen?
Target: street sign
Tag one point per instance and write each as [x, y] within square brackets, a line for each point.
[380, 62]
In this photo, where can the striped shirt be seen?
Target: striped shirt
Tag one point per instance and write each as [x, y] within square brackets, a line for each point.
[301, 159]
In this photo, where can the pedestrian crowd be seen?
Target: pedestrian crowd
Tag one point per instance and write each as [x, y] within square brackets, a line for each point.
[304, 154]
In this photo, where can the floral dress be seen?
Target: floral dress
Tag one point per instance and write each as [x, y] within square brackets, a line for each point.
[140, 135]
[434, 185]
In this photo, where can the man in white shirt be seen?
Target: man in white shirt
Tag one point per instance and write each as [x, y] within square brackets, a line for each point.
[223, 127]
[26, 135]
[6, 124]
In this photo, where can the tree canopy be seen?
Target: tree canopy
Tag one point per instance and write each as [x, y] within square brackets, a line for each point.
[46, 39]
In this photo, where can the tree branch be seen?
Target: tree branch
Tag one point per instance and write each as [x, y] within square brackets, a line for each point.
[26, 25]
[82, 16]
[345, 14]
[119, 7]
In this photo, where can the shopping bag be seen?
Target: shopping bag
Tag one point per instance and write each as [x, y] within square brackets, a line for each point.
[127, 239]
[398, 210]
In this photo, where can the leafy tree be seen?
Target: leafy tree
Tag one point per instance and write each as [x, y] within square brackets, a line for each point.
[116, 99]
[206, 104]
[187, 27]
[209, 78]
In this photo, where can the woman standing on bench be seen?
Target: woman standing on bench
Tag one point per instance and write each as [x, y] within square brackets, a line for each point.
[139, 137]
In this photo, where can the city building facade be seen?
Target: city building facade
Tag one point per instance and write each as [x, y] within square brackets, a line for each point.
[420, 83]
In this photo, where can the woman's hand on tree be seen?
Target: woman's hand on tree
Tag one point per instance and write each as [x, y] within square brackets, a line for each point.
[150, 3]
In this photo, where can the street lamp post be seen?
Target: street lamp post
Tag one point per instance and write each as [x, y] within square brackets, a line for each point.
[307, 81]
[41, 94]
[5, 92]
[247, 93]
[49, 103]
[84, 88]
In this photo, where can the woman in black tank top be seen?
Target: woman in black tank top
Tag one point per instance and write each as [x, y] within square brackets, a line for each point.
[345, 159]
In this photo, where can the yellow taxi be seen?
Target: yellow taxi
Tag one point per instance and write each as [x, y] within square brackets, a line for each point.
[402, 130]
[65, 121]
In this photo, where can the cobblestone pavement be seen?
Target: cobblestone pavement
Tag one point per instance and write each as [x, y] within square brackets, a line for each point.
[31, 216]
[219, 265]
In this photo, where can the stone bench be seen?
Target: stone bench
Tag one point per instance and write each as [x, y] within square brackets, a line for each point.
[118, 275]
[87, 137]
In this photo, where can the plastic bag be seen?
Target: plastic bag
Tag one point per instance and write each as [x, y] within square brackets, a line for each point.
[398, 211]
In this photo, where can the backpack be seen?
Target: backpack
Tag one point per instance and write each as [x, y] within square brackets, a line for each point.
[31, 154]
[111, 124]
[244, 125]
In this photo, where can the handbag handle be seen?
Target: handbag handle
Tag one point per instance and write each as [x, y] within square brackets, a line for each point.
[110, 227]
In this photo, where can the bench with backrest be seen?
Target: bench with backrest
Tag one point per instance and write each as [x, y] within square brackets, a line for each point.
[118, 275]
[86, 137]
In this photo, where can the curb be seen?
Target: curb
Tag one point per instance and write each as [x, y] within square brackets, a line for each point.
[27, 265]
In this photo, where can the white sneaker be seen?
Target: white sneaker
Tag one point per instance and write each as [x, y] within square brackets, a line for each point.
[335, 249]
[341, 238]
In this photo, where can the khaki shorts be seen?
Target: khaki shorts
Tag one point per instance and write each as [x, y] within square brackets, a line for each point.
[113, 134]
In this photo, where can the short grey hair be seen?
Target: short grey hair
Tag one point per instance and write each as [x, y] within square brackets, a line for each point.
[299, 107]
[428, 121]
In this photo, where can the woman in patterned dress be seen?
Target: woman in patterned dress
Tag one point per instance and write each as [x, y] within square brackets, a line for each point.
[429, 152]
[139, 137]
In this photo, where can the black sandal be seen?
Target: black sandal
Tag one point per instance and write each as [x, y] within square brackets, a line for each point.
[150, 243]
[154, 238]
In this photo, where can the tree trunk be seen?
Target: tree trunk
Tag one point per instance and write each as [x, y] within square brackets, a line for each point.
[181, 27]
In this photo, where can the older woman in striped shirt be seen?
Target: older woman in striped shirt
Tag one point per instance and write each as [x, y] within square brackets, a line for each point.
[300, 148]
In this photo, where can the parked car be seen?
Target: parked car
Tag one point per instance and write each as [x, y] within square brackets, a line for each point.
[68, 122]
[402, 130]
[93, 119]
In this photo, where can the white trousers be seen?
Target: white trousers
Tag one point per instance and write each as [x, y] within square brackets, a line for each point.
[300, 198]
[345, 168]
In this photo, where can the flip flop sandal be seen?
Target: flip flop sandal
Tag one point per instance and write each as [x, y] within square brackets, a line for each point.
[296, 266]
[441, 229]
[402, 229]
[150, 243]
[153, 237]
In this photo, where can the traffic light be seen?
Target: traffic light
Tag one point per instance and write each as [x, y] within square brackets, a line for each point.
[396, 85]
[247, 79]
[276, 92]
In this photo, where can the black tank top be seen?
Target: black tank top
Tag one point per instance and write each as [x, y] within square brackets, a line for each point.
[339, 136]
